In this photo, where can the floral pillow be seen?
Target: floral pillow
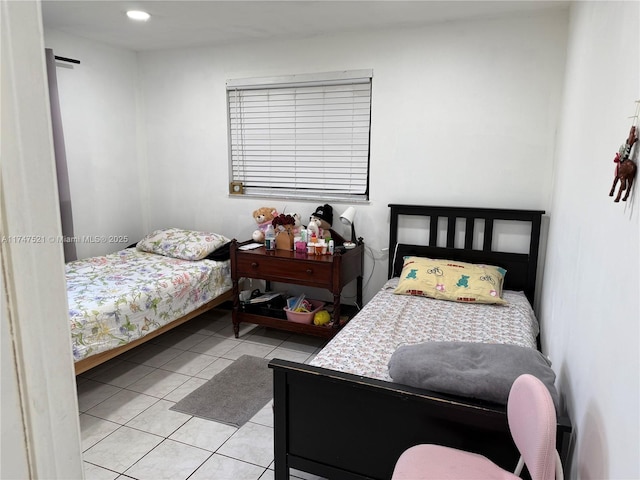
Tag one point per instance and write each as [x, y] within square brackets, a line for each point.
[451, 280]
[183, 244]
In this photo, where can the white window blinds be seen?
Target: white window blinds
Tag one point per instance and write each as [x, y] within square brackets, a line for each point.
[304, 136]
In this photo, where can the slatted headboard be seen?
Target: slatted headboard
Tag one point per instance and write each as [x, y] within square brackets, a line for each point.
[521, 267]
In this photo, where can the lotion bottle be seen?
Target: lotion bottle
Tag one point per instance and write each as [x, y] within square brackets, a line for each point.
[270, 238]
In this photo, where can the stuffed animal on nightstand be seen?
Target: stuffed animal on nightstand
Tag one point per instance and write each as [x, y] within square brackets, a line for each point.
[320, 220]
[263, 217]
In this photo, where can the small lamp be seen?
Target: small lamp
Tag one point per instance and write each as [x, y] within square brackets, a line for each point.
[347, 218]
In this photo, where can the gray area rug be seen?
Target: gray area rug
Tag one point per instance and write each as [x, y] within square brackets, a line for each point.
[234, 395]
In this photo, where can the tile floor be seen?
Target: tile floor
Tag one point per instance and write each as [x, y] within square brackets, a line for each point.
[128, 430]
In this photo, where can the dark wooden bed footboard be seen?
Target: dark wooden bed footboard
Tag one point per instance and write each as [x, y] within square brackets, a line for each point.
[343, 426]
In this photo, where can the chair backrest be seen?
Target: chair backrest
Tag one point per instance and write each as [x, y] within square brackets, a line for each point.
[532, 421]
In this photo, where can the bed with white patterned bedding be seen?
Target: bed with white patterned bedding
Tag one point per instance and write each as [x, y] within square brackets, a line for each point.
[119, 298]
[389, 321]
[341, 417]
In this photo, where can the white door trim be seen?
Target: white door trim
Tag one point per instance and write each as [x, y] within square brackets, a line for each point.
[34, 308]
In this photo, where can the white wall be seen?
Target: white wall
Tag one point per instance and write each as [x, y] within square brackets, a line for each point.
[590, 307]
[98, 102]
[462, 114]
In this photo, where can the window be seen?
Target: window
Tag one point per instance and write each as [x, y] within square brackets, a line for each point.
[302, 136]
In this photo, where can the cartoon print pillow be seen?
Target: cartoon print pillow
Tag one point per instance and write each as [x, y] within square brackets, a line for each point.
[451, 280]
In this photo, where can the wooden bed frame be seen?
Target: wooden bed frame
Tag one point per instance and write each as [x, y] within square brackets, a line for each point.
[343, 426]
[95, 360]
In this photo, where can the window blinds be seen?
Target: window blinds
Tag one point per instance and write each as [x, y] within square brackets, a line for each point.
[305, 137]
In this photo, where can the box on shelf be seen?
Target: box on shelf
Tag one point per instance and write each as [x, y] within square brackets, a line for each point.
[304, 317]
[271, 307]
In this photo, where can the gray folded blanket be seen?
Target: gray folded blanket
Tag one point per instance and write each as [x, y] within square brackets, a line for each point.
[478, 370]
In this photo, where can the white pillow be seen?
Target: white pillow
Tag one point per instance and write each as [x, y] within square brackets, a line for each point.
[183, 244]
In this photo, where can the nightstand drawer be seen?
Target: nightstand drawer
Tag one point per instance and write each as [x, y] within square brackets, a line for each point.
[328, 272]
[283, 270]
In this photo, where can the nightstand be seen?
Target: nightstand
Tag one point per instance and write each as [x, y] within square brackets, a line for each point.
[331, 272]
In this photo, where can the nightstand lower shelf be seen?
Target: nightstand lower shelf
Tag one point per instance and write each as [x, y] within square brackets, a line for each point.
[305, 328]
[331, 272]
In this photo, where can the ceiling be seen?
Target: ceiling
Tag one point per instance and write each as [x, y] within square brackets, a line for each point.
[187, 23]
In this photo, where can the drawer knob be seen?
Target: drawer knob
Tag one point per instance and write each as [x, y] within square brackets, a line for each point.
[254, 265]
[309, 271]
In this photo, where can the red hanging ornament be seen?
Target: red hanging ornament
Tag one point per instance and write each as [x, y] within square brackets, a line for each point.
[625, 167]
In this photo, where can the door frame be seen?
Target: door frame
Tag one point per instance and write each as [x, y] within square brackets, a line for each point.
[38, 382]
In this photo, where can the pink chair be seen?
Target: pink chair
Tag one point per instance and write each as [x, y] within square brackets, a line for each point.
[532, 422]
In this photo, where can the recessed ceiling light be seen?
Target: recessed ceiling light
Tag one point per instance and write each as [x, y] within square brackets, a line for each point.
[138, 15]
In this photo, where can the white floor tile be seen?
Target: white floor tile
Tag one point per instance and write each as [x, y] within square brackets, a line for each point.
[179, 339]
[219, 467]
[121, 449]
[159, 420]
[154, 355]
[248, 348]
[213, 369]
[93, 472]
[303, 343]
[208, 323]
[185, 389]
[264, 416]
[159, 383]
[91, 393]
[129, 353]
[160, 443]
[189, 363]
[123, 374]
[196, 325]
[102, 367]
[295, 474]
[122, 406]
[286, 354]
[216, 346]
[267, 336]
[252, 443]
[170, 460]
[94, 429]
[268, 475]
[203, 433]
[245, 329]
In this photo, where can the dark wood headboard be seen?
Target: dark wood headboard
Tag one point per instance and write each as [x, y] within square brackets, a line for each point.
[521, 267]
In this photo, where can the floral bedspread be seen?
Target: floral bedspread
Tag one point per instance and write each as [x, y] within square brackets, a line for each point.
[121, 297]
[365, 345]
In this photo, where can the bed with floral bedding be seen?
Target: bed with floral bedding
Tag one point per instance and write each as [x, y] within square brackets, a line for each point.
[123, 299]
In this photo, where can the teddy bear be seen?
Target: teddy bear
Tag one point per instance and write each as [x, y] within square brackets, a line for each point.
[263, 217]
[320, 220]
